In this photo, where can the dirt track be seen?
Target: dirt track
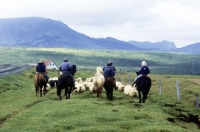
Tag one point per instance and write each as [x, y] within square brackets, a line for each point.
[10, 69]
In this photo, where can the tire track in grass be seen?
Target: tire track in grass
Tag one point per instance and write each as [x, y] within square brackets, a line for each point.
[9, 116]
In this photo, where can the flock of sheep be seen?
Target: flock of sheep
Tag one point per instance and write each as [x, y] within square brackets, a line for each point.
[95, 85]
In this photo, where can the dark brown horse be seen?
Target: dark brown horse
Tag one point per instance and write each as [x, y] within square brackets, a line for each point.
[39, 81]
[109, 85]
[64, 82]
[143, 85]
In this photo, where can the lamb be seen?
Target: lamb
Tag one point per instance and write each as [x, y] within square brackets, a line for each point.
[120, 87]
[48, 87]
[87, 84]
[79, 88]
[127, 89]
[89, 79]
[133, 92]
[92, 88]
[79, 80]
[118, 83]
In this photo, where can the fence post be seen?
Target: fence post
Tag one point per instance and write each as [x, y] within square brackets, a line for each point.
[197, 101]
[159, 86]
[122, 80]
[178, 90]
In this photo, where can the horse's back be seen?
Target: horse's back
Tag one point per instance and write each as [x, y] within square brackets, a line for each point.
[64, 81]
[144, 82]
[39, 79]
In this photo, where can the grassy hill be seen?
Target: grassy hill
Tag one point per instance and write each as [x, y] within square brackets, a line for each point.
[159, 62]
[22, 111]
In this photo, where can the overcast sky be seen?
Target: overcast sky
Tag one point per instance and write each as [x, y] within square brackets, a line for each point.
[176, 21]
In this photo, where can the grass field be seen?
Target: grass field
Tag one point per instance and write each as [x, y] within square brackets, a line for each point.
[159, 62]
[22, 111]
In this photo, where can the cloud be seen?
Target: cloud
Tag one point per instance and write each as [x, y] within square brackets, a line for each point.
[139, 20]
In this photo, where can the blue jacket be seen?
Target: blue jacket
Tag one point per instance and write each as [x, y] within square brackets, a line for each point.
[144, 70]
[109, 71]
[65, 67]
[41, 68]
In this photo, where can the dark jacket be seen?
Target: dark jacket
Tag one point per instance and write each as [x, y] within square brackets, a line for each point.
[109, 71]
[41, 68]
[65, 67]
[110, 64]
[144, 70]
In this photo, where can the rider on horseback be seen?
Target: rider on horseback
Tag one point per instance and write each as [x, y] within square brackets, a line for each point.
[144, 70]
[66, 68]
[41, 68]
[109, 71]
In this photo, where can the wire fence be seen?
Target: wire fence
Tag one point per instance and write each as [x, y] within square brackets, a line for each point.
[11, 69]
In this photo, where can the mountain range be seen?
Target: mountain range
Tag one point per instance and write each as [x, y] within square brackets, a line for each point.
[42, 32]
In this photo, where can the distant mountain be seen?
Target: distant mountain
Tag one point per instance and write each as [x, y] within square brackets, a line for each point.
[164, 45]
[41, 32]
[192, 48]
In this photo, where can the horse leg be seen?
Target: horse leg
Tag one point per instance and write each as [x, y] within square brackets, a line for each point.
[44, 90]
[111, 95]
[66, 96]
[36, 90]
[143, 99]
[40, 91]
[139, 96]
[68, 93]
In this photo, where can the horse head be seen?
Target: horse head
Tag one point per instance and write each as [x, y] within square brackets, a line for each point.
[73, 69]
[137, 73]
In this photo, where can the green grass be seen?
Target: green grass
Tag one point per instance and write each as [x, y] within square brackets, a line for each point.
[159, 62]
[22, 111]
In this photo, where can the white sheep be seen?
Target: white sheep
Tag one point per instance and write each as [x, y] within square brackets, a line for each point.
[87, 84]
[99, 81]
[79, 80]
[127, 89]
[118, 83]
[133, 92]
[120, 87]
[80, 88]
[92, 88]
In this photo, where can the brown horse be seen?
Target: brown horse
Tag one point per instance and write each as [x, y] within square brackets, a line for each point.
[64, 82]
[39, 81]
[109, 85]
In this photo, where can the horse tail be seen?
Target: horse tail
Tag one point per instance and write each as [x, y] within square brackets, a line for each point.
[38, 79]
[58, 90]
[59, 86]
